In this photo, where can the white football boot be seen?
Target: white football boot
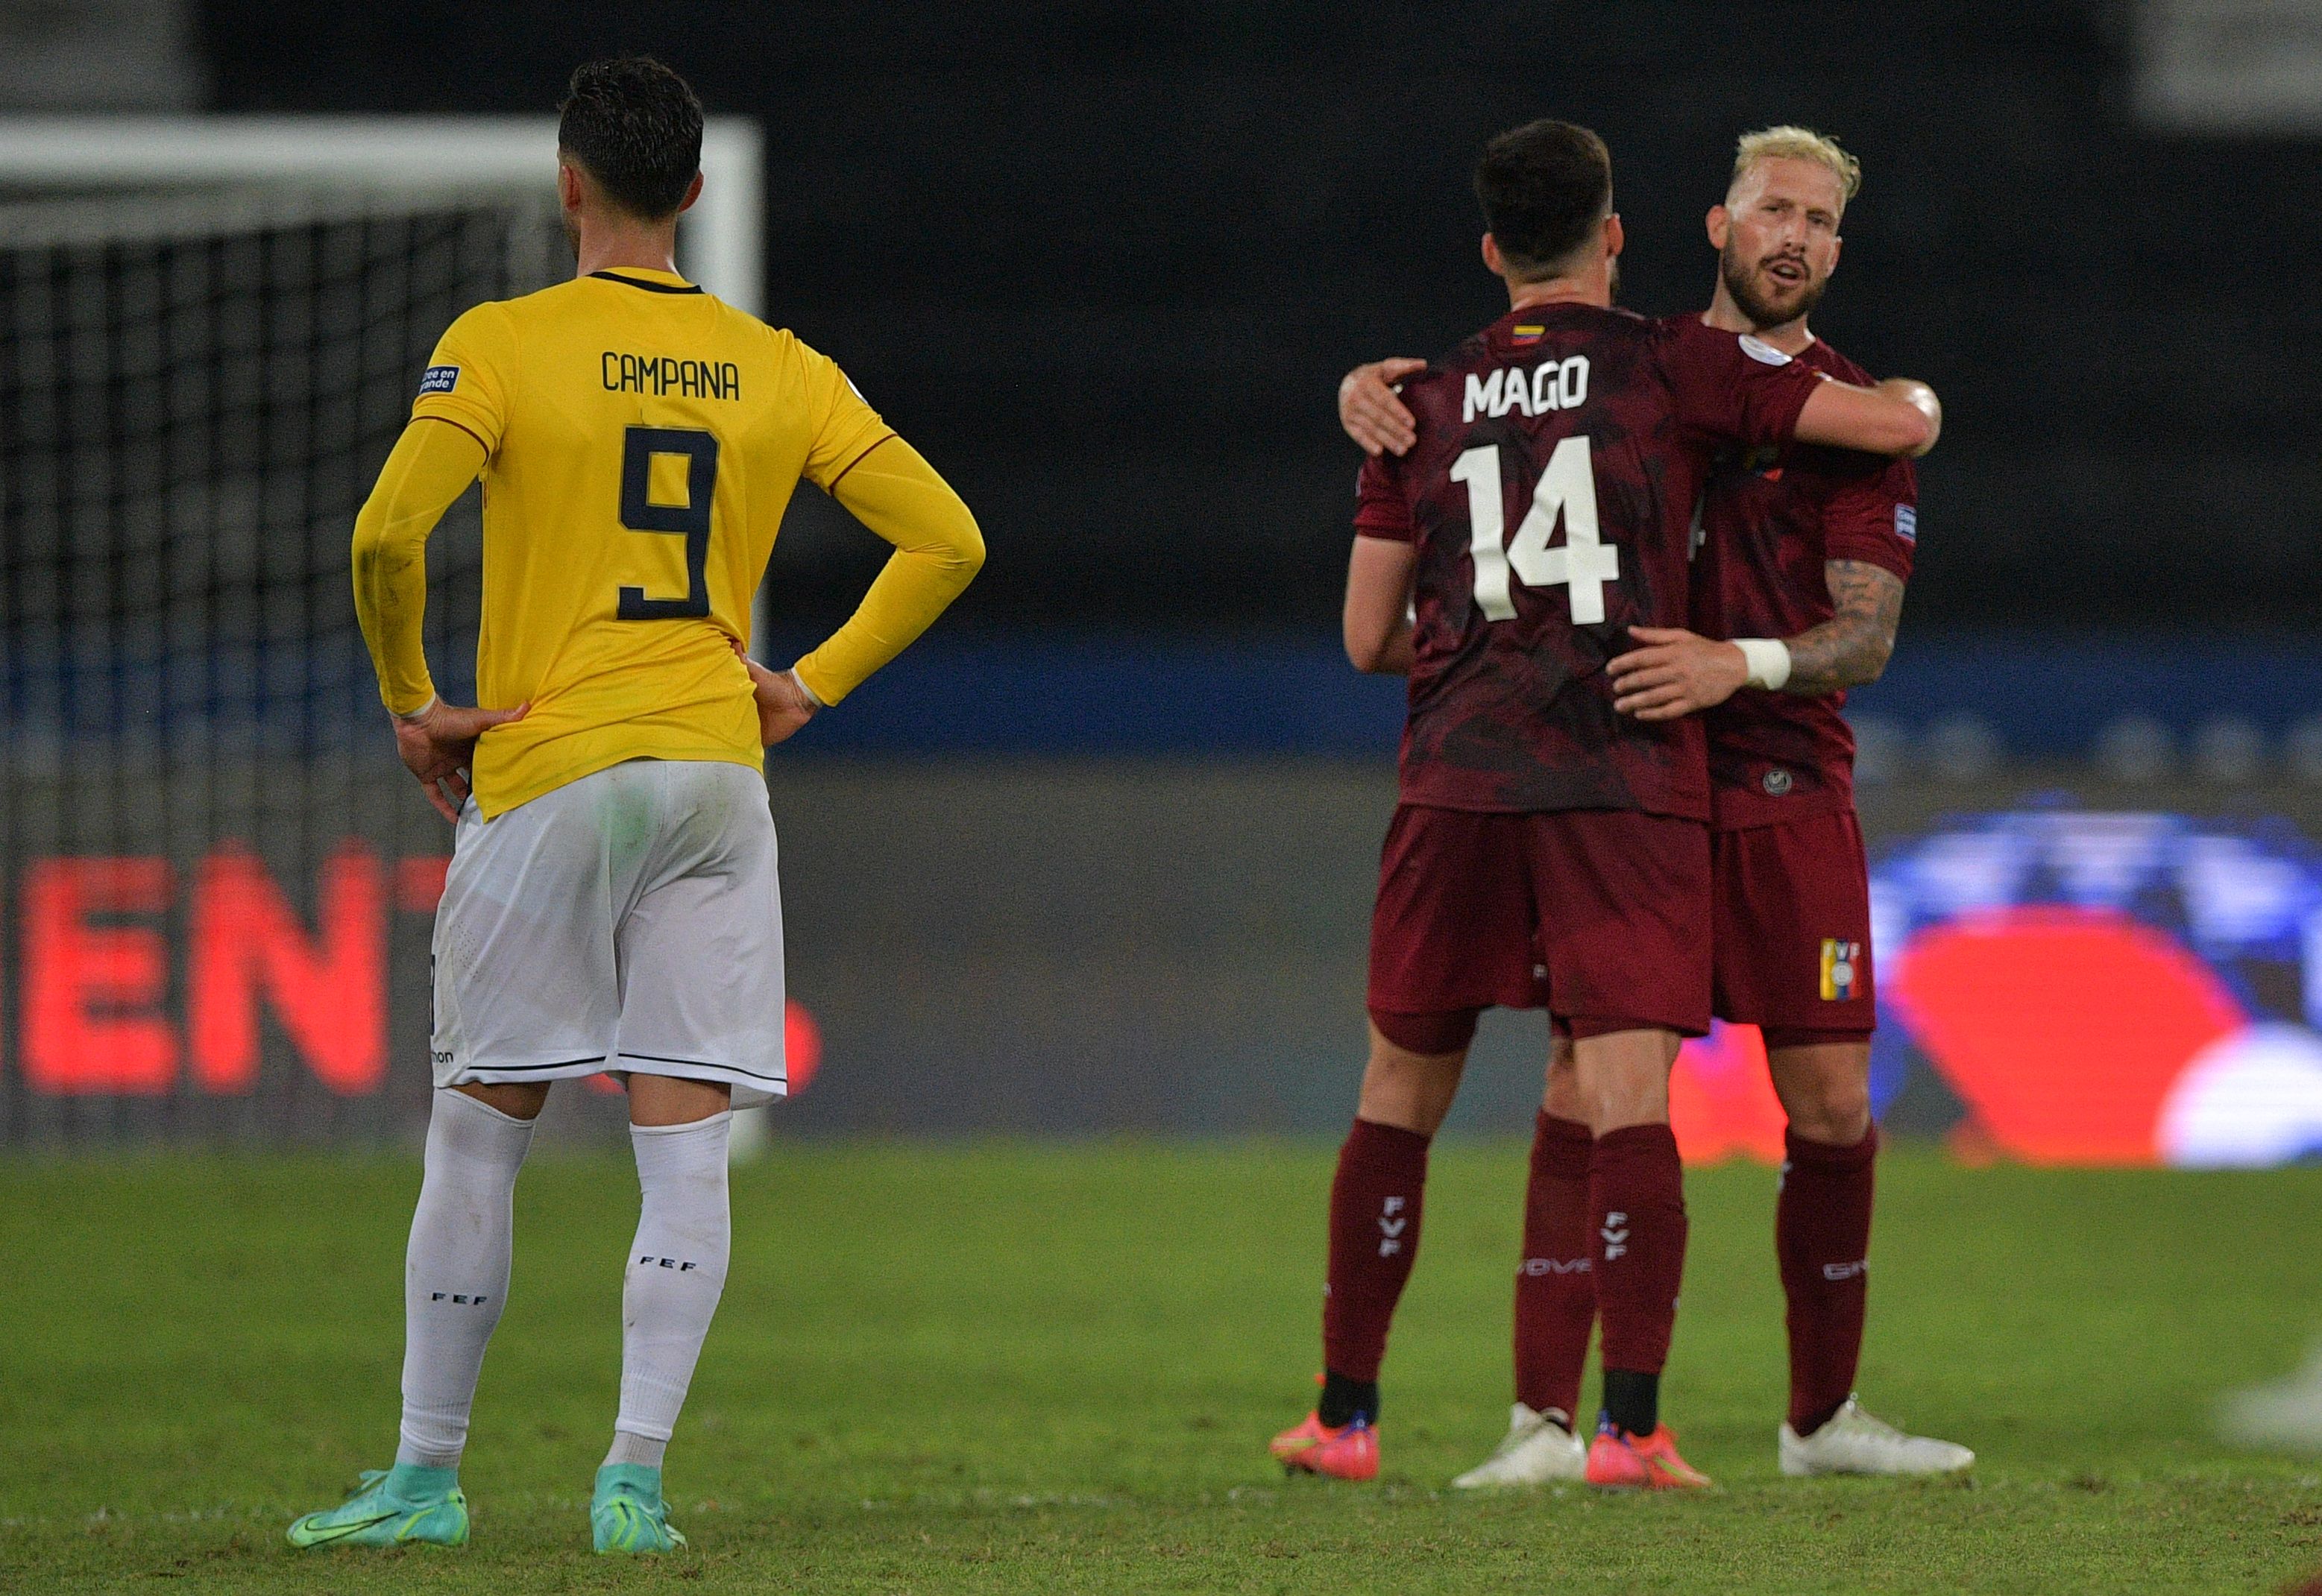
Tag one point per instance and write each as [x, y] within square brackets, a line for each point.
[1854, 1443]
[1536, 1451]
[2285, 1415]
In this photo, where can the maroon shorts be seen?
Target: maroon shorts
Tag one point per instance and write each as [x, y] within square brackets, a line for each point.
[1791, 927]
[1599, 916]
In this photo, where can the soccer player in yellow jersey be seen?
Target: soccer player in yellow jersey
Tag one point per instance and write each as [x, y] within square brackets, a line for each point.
[612, 902]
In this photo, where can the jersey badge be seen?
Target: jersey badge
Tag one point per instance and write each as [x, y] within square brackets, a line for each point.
[1906, 523]
[1526, 332]
[1776, 783]
[439, 379]
[1758, 349]
[1839, 960]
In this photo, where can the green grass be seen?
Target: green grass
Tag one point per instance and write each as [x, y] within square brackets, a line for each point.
[1054, 1368]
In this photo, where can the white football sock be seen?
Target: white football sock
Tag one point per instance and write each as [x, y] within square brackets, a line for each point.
[455, 1273]
[677, 1268]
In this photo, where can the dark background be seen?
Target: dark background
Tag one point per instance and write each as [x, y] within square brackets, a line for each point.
[1105, 265]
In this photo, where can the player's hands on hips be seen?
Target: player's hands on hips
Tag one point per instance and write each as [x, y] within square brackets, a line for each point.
[439, 746]
[1372, 412]
[784, 705]
[1674, 673]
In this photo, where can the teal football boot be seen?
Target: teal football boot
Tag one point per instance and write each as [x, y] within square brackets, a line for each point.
[391, 1508]
[627, 1514]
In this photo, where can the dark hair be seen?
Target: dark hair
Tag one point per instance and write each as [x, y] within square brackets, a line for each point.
[1544, 187]
[634, 125]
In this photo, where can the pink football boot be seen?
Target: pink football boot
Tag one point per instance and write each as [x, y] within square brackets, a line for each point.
[1618, 1461]
[1350, 1451]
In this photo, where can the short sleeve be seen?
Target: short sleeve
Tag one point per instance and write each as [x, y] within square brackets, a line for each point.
[1381, 510]
[845, 428]
[1875, 518]
[472, 375]
[1733, 389]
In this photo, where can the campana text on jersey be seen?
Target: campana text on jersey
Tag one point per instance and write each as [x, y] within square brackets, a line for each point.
[1552, 385]
[662, 374]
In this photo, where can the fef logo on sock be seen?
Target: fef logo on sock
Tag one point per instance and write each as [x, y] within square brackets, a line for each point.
[1839, 962]
[1392, 1221]
[1617, 1234]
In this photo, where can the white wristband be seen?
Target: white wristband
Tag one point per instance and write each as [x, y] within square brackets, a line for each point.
[799, 682]
[1768, 660]
[420, 714]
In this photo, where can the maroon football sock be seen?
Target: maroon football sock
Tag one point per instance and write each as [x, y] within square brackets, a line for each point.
[1822, 1234]
[1374, 1237]
[1636, 1202]
[1555, 1284]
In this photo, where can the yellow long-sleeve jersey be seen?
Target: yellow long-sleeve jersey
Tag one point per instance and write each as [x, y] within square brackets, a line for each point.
[638, 440]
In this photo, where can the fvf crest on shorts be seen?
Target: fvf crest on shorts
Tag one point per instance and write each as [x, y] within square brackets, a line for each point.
[629, 920]
[1791, 929]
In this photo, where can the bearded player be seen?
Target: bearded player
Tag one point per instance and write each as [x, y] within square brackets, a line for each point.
[1547, 852]
[612, 903]
[1803, 556]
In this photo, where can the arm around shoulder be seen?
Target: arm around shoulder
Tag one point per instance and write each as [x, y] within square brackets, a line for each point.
[1900, 416]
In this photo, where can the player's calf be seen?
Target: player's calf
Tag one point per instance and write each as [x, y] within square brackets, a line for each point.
[1556, 1280]
[1375, 1213]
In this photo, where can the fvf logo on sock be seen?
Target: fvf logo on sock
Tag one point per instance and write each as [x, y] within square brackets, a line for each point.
[1392, 1221]
[1617, 1234]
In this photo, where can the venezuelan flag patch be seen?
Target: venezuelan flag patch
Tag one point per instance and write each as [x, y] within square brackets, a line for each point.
[1527, 333]
[1840, 961]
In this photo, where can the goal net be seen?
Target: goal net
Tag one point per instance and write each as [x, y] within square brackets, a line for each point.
[219, 883]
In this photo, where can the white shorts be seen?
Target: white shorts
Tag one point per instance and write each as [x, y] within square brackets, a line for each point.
[630, 920]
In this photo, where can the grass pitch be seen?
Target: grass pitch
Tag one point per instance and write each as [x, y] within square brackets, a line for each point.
[1054, 1368]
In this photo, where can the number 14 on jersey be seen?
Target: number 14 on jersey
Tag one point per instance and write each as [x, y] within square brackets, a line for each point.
[1582, 564]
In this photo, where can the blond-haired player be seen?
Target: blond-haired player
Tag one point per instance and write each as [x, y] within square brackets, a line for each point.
[1804, 557]
[612, 902]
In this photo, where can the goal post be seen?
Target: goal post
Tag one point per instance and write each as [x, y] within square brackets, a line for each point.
[719, 239]
[215, 883]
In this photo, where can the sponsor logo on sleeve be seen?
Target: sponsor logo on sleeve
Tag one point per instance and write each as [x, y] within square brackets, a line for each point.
[1758, 349]
[439, 379]
[1906, 523]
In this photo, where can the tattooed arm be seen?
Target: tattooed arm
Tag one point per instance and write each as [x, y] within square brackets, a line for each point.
[1853, 646]
[1675, 672]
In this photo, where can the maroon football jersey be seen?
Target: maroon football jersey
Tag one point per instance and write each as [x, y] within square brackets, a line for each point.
[1769, 518]
[1551, 495]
